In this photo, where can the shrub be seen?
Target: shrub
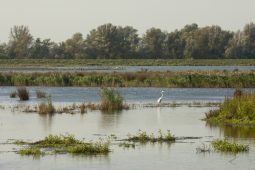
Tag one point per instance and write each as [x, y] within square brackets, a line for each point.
[23, 93]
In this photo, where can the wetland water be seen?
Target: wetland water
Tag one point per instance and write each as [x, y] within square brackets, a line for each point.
[182, 121]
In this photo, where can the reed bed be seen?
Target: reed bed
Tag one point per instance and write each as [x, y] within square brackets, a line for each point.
[185, 79]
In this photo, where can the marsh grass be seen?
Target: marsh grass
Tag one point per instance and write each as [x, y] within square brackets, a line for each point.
[237, 110]
[111, 100]
[64, 144]
[182, 79]
[41, 94]
[143, 137]
[46, 107]
[89, 148]
[57, 141]
[33, 151]
[23, 93]
[225, 146]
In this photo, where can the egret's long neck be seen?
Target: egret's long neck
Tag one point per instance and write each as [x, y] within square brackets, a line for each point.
[161, 94]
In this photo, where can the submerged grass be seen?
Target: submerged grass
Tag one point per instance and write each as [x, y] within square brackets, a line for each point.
[238, 110]
[225, 146]
[143, 137]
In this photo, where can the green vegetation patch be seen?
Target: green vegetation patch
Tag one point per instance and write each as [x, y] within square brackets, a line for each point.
[143, 137]
[33, 151]
[238, 110]
[184, 79]
[111, 100]
[64, 144]
[225, 146]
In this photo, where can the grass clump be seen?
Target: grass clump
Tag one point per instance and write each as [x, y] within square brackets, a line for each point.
[23, 93]
[13, 94]
[34, 151]
[41, 94]
[143, 137]
[225, 146]
[46, 107]
[58, 141]
[237, 110]
[89, 148]
[111, 100]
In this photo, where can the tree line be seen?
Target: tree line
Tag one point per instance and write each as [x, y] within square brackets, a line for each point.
[116, 42]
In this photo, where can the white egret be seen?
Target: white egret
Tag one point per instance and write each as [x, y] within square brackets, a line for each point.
[160, 99]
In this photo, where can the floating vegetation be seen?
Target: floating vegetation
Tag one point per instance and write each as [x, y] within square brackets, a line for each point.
[225, 146]
[111, 100]
[41, 94]
[143, 137]
[46, 107]
[13, 94]
[238, 110]
[23, 93]
[63, 144]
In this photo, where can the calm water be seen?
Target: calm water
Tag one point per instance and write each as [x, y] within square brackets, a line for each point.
[182, 121]
[128, 68]
[131, 95]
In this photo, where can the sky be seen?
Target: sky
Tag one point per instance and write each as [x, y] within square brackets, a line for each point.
[60, 19]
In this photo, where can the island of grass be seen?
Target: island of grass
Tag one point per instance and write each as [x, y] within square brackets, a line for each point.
[225, 146]
[238, 110]
[143, 137]
[63, 144]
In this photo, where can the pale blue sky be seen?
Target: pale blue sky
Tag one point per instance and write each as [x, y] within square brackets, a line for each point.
[59, 19]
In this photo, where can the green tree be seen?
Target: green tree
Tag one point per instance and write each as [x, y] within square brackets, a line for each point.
[153, 43]
[243, 43]
[41, 49]
[3, 50]
[20, 42]
[109, 41]
[75, 46]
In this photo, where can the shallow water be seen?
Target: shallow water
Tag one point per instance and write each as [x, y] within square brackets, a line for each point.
[182, 121]
[127, 68]
[131, 95]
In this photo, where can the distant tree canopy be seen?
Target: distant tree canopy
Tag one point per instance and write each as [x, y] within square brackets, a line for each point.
[116, 42]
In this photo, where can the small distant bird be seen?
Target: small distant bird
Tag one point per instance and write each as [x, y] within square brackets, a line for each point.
[160, 99]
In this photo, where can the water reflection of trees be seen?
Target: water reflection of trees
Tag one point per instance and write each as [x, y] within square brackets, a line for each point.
[234, 131]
